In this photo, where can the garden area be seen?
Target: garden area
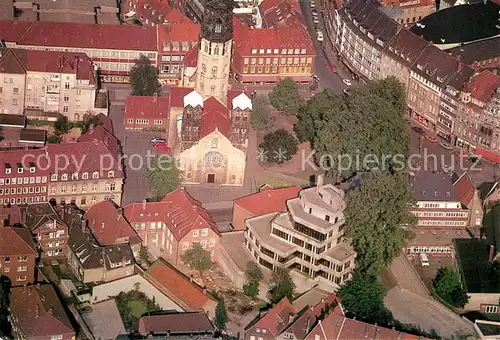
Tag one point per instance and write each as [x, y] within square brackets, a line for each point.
[132, 305]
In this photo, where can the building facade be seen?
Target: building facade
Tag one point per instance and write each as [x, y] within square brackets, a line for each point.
[17, 255]
[413, 10]
[307, 239]
[147, 113]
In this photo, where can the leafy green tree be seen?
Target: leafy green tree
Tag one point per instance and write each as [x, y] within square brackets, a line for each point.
[279, 146]
[144, 255]
[53, 139]
[163, 175]
[132, 305]
[447, 285]
[363, 297]
[253, 276]
[251, 289]
[197, 258]
[144, 78]
[221, 315]
[285, 97]
[282, 284]
[62, 125]
[374, 213]
[88, 121]
[261, 113]
[5, 326]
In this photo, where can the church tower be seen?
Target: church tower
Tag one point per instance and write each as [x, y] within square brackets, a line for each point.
[214, 54]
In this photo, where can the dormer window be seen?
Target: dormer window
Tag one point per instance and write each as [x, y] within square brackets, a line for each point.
[64, 177]
[111, 174]
[440, 79]
[85, 175]
[420, 67]
[20, 168]
[74, 176]
[53, 178]
[8, 168]
[32, 167]
[95, 175]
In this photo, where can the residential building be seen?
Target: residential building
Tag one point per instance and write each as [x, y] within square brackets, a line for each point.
[108, 225]
[359, 33]
[37, 313]
[490, 193]
[23, 176]
[440, 214]
[90, 261]
[147, 113]
[180, 289]
[267, 55]
[272, 323]
[281, 13]
[47, 83]
[470, 198]
[103, 44]
[413, 10]
[10, 215]
[267, 200]
[308, 239]
[480, 55]
[17, 255]
[177, 324]
[48, 229]
[147, 12]
[168, 228]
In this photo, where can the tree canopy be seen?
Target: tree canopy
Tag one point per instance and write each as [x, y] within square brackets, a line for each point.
[374, 213]
[253, 276]
[163, 175]
[282, 284]
[279, 146]
[62, 125]
[261, 113]
[144, 78]
[221, 315]
[197, 258]
[88, 121]
[285, 97]
[448, 287]
[5, 326]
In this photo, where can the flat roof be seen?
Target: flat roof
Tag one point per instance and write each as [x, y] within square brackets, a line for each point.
[12, 120]
[297, 211]
[341, 252]
[436, 237]
[310, 298]
[462, 23]
[261, 225]
[32, 135]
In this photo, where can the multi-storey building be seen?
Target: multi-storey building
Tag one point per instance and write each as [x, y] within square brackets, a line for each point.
[307, 239]
[47, 83]
[480, 55]
[148, 12]
[169, 227]
[17, 255]
[47, 228]
[413, 10]
[104, 44]
[23, 176]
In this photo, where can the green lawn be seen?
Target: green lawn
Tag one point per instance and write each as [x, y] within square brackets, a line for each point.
[137, 308]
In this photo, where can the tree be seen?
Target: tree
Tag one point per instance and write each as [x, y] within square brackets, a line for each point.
[282, 284]
[253, 276]
[197, 258]
[374, 213]
[62, 125]
[221, 315]
[88, 121]
[279, 146]
[363, 297]
[285, 97]
[144, 78]
[163, 175]
[261, 113]
[448, 287]
[5, 326]
[53, 139]
[144, 255]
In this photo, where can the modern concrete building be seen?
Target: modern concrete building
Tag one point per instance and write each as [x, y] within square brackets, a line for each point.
[308, 239]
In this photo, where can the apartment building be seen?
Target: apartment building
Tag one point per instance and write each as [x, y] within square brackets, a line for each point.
[17, 255]
[47, 228]
[147, 12]
[168, 228]
[413, 10]
[308, 239]
[359, 33]
[103, 44]
[441, 217]
[47, 83]
[480, 55]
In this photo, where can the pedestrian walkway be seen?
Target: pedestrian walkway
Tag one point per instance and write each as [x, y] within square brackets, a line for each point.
[407, 277]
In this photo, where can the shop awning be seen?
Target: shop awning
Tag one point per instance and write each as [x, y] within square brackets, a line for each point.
[488, 155]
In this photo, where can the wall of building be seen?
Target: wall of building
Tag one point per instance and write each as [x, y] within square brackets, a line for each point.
[53, 239]
[82, 192]
[12, 93]
[9, 268]
[239, 217]
[478, 299]
[209, 242]
[117, 273]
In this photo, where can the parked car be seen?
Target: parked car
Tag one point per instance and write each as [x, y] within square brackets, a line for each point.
[445, 145]
[314, 12]
[424, 260]
[347, 82]
[418, 129]
[319, 36]
[316, 21]
[158, 139]
[431, 139]
[162, 147]
[313, 4]
[333, 68]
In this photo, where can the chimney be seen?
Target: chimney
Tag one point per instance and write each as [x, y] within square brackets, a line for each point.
[144, 202]
[91, 127]
[119, 211]
[319, 180]
[290, 318]
[205, 291]
[37, 311]
[460, 66]
[155, 97]
[308, 324]
[106, 140]
[323, 300]
[50, 310]
[84, 225]
[491, 254]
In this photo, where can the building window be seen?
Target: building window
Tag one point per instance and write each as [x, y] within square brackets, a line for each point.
[74, 176]
[7, 259]
[65, 109]
[95, 175]
[21, 278]
[85, 175]
[203, 68]
[22, 268]
[214, 72]
[215, 143]
[196, 233]
[204, 232]
[212, 89]
[212, 243]
[185, 245]
[22, 259]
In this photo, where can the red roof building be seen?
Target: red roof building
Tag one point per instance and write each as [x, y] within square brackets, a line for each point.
[9, 215]
[180, 288]
[470, 197]
[270, 54]
[267, 200]
[148, 12]
[413, 10]
[17, 255]
[273, 323]
[281, 13]
[144, 112]
[176, 324]
[214, 116]
[37, 313]
[169, 227]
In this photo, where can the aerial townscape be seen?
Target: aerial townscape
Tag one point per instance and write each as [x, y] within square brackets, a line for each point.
[249, 169]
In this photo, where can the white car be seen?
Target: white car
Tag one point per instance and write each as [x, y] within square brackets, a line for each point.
[313, 5]
[319, 36]
[316, 21]
[347, 82]
[158, 140]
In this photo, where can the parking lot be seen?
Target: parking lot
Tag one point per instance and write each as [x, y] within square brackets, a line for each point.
[435, 262]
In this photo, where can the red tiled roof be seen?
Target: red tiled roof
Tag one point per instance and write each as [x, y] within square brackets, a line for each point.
[281, 13]
[483, 85]
[39, 312]
[10, 213]
[214, 116]
[81, 35]
[465, 189]
[184, 31]
[191, 59]
[154, 11]
[277, 318]
[268, 200]
[16, 241]
[487, 154]
[177, 94]
[176, 16]
[101, 133]
[408, 3]
[13, 30]
[24, 157]
[147, 107]
[109, 225]
[178, 285]
[197, 322]
[180, 212]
